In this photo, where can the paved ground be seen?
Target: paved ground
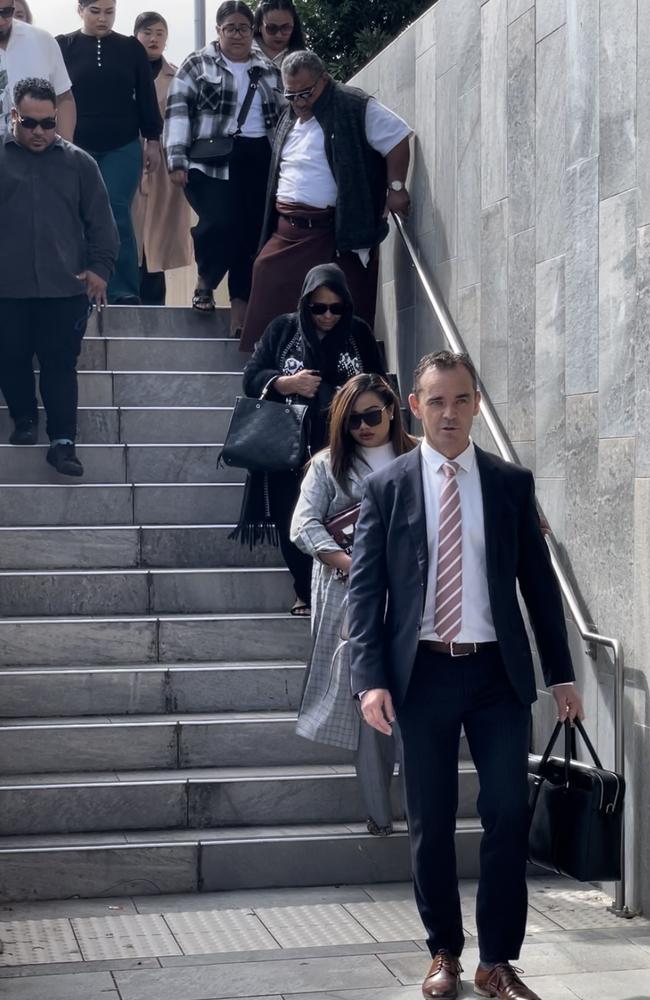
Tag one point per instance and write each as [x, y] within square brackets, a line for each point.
[345, 943]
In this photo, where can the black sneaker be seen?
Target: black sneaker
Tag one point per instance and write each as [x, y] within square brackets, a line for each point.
[24, 432]
[64, 459]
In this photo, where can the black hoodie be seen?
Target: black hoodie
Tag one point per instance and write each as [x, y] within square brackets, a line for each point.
[290, 344]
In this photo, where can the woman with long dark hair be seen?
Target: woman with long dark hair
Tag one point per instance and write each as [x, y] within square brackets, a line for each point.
[206, 98]
[277, 29]
[304, 357]
[116, 107]
[366, 433]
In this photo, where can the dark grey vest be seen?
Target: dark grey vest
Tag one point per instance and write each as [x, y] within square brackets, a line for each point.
[359, 170]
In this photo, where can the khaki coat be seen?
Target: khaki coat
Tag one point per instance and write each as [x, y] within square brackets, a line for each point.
[161, 214]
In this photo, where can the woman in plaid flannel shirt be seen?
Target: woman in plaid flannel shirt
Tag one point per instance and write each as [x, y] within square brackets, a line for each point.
[204, 101]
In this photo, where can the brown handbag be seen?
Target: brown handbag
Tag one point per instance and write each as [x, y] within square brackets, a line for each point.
[341, 526]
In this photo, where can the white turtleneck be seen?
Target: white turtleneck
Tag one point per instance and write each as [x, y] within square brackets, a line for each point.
[373, 459]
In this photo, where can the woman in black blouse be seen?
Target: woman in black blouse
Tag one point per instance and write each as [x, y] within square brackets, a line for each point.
[116, 104]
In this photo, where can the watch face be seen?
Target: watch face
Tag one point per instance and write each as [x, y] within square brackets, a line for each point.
[396, 186]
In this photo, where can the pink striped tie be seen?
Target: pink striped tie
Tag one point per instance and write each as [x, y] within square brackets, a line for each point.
[449, 577]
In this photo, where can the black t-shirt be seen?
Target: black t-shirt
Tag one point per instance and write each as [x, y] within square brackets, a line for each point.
[113, 87]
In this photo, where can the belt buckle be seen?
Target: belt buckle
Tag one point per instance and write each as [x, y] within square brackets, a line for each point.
[451, 649]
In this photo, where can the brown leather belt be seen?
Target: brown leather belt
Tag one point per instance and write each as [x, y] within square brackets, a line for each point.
[455, 648]
[309, 221]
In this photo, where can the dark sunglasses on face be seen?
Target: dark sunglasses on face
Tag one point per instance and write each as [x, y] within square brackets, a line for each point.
[371, 418]
[7, 12]
[47, 124]
[278, 29]
[320, 308]
[302, 95]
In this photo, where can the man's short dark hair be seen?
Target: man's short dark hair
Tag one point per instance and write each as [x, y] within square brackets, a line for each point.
[33, 86]
[303, 59]
[444, 360]
[147, 19]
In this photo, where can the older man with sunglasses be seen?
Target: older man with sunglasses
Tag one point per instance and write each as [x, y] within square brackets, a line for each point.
[58, 247]
[27, 51]
[340, 160]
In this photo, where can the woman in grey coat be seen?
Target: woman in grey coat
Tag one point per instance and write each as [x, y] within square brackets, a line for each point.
[366, 433]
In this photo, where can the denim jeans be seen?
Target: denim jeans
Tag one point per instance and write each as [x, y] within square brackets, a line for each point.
[121, 169]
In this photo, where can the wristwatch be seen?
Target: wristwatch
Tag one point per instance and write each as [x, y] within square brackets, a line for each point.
[397, 185]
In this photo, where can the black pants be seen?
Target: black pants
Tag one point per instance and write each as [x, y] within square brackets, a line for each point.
[230, 214]
[51, 329]
[284, 490]
[474, 691]
[153, 287]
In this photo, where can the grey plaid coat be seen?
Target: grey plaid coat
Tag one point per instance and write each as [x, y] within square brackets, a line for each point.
[328, 712]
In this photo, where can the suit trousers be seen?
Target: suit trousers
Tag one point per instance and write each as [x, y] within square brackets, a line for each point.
[444, 694]
[51, 329]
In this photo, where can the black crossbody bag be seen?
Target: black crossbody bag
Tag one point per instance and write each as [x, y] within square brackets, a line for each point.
[218, 150]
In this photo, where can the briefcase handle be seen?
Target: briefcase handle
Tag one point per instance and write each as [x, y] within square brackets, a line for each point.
[567, 747]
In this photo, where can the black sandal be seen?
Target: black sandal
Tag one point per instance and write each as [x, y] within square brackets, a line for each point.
[203, 301]
[300, 609]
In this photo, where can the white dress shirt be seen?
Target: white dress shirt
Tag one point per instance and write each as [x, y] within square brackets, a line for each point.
[476, 622]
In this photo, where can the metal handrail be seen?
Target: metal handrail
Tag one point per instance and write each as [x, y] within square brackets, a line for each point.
[586, 630]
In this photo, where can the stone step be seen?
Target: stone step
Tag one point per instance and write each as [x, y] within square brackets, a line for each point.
[204, 799]
[146, 689]
[140, 425]
[153, 388]
[113, 504]
[164, 639]
[153, 862]
[127, 743]
[160, 321]
[163, 425]
[127, 547]
[121, 463]
[144, 592]
[160, 354]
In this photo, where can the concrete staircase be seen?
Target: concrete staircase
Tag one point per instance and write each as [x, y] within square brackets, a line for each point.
[149, 672]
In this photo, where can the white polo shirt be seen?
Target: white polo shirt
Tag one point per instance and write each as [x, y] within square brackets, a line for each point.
[30, 52]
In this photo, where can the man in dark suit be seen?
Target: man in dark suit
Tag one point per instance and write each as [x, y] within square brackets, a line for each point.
[437, 639]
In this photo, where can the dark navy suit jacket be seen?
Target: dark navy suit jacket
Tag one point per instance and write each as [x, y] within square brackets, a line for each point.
[389, 578]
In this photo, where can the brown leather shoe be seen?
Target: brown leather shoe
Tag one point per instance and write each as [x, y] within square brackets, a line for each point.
[502, 982]
[442, 981]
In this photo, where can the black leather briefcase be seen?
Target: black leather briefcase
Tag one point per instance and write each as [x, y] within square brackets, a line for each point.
[576, 813]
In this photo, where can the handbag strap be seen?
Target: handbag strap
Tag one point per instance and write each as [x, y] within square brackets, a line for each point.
[268, 386]
[255, 75]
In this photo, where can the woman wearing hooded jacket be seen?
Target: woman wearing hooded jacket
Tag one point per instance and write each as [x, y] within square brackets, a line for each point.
[306, 357]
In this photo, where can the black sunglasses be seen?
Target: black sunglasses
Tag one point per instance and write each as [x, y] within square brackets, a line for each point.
[278, 29]
[371, 418]
[47, 124]
[7, 12]
[320, 308]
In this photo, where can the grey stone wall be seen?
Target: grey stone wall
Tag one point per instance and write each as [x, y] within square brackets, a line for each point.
[531, 209]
